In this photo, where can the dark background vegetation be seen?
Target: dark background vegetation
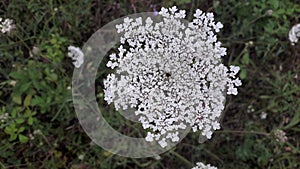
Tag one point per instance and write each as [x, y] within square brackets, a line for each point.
[42, 130]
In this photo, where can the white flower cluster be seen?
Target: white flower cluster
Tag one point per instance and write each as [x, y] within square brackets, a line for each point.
[77, 56]
[6, 25]
[294, 34]
[263, 115]
[280, 136]
[171, 73]
[200, 165]
[4, 117]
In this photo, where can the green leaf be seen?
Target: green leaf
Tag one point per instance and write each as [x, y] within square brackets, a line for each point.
[30, 120]
[274, 3]
[17, 75]
[28, 113]
[13, 137]
[52, 77]
[21, 129]
[14, 113]
[17, 99]
[37, 100]
[10, 129]
[34, 74]
[36, 84]
[295, 120]
[53, 41]
[243, 73]
[33, 113]
[27, 100]
[23, 139]
[24, 88]
[246, 58]
[20, 120]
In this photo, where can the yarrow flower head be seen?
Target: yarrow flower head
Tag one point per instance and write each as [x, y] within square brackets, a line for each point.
[77, 56]
[294, 34]
[171, 73]
[263, 115]
[4, 117]
[6, 25]
[200, 165]
[280, 136]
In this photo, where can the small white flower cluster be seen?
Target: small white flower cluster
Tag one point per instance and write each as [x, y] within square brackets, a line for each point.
[280, 136]
[77, 56]
[6, 25]
[250, 109]
[31, 136]
[200, 165]
[81, 157]
[13, 82]
[4, 117]
[171, 73]
[37, 132]
[294, 34]
[263, 115]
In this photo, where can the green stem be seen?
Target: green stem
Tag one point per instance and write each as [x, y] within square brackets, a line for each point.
[182, 158]
[243, 132]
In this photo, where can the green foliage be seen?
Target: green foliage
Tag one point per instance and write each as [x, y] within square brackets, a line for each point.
[38, 125]
[53, 48]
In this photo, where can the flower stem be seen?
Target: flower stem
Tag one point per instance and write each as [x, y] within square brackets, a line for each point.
[243, 132]
[182, 158]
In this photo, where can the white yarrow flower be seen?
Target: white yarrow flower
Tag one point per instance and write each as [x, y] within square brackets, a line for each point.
[263, 115]
[13, 82]
[200, 165]
[77, 56]
[172, 74]
[294, 34]
[280, 136]
[4, 117]
[81, 157]
[7, 25]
